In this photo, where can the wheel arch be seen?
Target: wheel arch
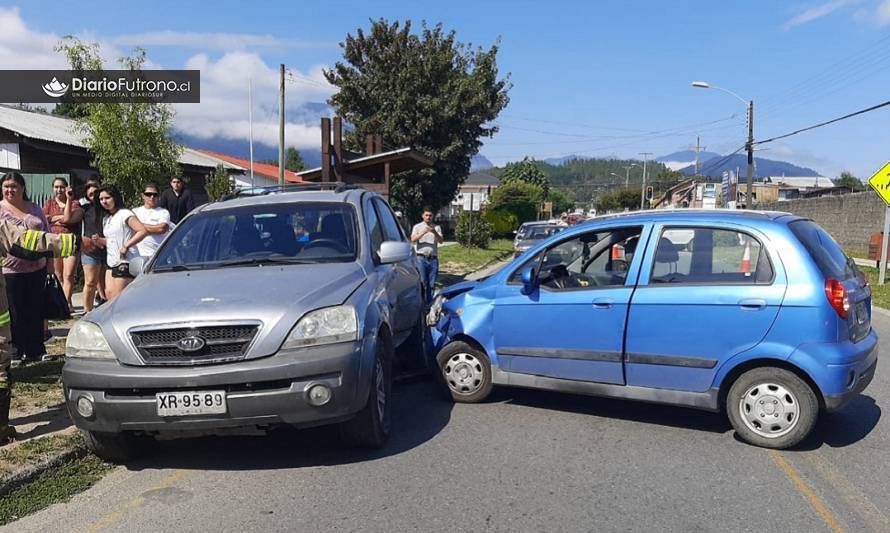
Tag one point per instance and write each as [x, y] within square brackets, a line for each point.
[761, 362]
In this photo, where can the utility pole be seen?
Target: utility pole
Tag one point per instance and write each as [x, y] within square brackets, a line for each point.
[281, 126]
[697, 150]
[250, 125]
[643, 188]
[749, 196]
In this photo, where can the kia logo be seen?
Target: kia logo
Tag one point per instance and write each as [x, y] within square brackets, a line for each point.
[190, 344]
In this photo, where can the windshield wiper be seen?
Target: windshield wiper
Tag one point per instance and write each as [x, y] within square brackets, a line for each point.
[259, 261]
[175, 268]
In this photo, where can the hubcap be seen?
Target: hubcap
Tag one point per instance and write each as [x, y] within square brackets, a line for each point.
[464, 374]
[769, 409]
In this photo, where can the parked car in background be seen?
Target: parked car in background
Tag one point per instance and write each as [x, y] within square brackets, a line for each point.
[757, 314]
[284, 308]
[532, 235]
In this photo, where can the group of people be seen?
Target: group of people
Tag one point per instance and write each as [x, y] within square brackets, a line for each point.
[110, 236]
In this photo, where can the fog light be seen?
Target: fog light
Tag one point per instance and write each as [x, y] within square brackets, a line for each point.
[85, 406]
[319, 395]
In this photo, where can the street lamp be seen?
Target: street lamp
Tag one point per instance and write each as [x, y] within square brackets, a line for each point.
[749, 196]
[626, 174]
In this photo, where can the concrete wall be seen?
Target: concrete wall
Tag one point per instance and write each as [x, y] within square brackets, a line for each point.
[850, 218]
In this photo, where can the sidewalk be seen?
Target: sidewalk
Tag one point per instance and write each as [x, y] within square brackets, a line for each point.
[45, 432]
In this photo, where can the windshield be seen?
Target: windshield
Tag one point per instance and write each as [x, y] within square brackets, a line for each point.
[537, 233]
[287, 233]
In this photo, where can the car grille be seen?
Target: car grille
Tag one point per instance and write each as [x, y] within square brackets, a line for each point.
[221, 343]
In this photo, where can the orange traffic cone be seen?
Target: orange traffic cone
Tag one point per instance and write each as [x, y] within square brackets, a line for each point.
[745, 265]
[617, 252]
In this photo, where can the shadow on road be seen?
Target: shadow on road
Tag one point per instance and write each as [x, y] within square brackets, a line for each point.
[845, 427]
[420, 412]
[663, 415]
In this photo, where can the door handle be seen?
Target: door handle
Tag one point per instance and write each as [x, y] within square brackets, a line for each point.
[602, 303]
[752, 303]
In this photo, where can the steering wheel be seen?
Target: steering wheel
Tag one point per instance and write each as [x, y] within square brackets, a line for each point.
[327, 243]
[560, 278]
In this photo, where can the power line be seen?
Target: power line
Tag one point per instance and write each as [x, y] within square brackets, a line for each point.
[827, 122]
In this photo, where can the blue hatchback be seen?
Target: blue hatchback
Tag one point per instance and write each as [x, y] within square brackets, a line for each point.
[760, 314]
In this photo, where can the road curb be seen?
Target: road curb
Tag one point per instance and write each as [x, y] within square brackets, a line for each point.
[30, 474]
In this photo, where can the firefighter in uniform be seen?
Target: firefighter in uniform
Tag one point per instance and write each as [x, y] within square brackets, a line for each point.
[26, 244]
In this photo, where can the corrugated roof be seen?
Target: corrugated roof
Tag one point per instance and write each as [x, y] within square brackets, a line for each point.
[262, 169]
[46, 127]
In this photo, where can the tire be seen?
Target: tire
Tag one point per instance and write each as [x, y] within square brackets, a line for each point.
[113, 447]
[371, 426]
[465, 371]
[772, 407]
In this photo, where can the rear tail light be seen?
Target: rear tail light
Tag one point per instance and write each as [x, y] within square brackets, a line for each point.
[837, 297]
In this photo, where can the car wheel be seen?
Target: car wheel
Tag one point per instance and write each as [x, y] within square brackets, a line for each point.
[466, 372]
[370, 427]
[113, 447]
[772, 407]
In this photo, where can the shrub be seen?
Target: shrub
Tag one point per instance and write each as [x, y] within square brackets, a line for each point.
[472, 231]
[502, 223]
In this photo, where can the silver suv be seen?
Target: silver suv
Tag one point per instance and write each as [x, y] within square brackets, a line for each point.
[281, 308]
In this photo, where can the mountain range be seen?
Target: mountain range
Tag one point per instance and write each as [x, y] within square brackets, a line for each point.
[716, 166]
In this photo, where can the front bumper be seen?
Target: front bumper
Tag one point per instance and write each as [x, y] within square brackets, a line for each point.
[259, 392]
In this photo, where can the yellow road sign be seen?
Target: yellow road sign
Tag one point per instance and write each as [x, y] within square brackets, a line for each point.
[880, 182]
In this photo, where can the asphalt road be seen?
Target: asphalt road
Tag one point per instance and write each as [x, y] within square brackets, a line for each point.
[523, 461]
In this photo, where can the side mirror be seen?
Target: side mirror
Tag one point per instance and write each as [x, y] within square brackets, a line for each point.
[529, 280]
[394, 252]
[137, 265]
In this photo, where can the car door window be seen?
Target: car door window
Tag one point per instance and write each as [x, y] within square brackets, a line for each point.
[372, 223]
[710, 256]
[391, 230]
[586, 261]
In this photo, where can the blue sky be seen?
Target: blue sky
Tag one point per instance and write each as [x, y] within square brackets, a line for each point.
[590, 78]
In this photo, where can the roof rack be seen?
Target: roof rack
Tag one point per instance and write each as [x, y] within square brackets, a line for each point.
[335, 186]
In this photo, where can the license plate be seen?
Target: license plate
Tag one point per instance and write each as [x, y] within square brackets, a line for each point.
[208, 402]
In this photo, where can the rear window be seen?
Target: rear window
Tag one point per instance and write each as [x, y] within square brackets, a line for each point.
[825, 251]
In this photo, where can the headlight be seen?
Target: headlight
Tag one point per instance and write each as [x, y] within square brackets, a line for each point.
[86, 340]
[324, 326]
[432, 318]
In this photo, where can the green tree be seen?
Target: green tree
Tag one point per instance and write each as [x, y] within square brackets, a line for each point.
[293, 160]
[561, 201]
[519, 198]
[129, 142]
[218, 184]
[81, 56]
[847, 179]
[618, 201]
[527, 171]
[427, 91]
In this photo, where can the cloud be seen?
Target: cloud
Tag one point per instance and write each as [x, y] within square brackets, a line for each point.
[223, 111]
[214, 41]
[817, 12]
[223, 108]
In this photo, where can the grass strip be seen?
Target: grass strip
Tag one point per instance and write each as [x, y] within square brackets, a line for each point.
[35, 452]
[56, 484]
[458, 259]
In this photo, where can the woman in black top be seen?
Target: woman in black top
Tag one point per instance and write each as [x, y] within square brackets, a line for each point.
[94, 260]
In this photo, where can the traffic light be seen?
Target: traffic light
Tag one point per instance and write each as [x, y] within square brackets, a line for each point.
[648, 192]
